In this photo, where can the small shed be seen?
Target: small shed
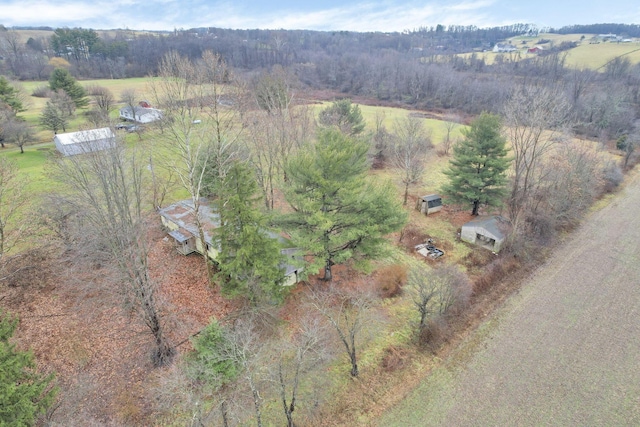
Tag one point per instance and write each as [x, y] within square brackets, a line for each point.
[429, 204]
[489, 232]
[86, 141]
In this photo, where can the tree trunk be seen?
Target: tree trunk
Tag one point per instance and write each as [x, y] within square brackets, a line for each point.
[225, 413]
[476, 207]
[164, 351]
[256, 405]
[354, 364]
[406, 194]
[327, 271]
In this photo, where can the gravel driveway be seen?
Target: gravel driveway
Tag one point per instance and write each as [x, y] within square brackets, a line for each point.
[564, 351]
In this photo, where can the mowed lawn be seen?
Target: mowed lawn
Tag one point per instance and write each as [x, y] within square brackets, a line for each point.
[564, 351]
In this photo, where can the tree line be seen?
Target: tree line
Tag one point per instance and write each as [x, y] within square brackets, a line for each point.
[416, 68]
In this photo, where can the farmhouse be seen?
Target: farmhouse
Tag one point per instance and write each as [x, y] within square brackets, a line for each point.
[429, 204]
[86, 141]
[489, 232]
[179, 220]
[140, 113]
[504, 47]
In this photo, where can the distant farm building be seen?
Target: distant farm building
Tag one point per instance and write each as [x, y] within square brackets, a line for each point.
[142, 113]
[179, 220]
[429, 204]
[86, 141]
[504, 47]
[488, 232]
[535, 49]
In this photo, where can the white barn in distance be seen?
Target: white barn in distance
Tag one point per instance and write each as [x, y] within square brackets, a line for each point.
[86, 141]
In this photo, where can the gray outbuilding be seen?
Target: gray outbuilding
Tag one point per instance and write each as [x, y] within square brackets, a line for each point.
[488, 232]
[86, 141]
[429, 204]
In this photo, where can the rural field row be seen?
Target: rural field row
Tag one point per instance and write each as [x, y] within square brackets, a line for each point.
[565, 350]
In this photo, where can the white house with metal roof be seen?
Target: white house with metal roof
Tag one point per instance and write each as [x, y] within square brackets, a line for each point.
[140, 114]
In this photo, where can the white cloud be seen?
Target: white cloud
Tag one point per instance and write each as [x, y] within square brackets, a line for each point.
[360, 17]
[367, 15]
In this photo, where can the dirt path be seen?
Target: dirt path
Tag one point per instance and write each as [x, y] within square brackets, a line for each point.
[564, 351]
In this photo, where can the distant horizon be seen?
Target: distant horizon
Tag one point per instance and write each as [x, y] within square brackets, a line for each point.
[331, 15]
[52, 28]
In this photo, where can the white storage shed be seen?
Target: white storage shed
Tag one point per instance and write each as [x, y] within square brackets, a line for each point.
[488, 232]
[429, 204]
[85, 141]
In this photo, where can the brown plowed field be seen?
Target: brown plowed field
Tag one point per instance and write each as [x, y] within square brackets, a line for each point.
[564, 351]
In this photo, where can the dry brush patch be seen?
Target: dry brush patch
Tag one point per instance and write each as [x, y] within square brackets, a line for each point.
[99, 351]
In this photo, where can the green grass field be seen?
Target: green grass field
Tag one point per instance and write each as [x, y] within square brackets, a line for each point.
[584, 56]
[117, 87]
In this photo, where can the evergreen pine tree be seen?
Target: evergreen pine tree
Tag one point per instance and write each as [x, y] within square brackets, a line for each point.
[62, 79]
[10, 96]
[344, 115]
[53, 118]
[339, 213]
[250, 261]
[477, 170]
[24, 393]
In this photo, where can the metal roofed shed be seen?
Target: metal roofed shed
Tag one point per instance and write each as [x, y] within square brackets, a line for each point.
[489, 232]
[86, 141]
[429, 204]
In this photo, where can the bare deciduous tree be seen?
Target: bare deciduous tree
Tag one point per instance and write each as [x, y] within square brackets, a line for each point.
[349, 313]
[106, 189]
[298, 354]
[19, 133]
[381, 141]
[438, 292]
[249, 352]
[12, 199]
[130, 97]
[275, 131]
[571, 184]
[534, 118]
[630, 144]
[452, 122]
[410, 148]
[200, 133]
[103, 103]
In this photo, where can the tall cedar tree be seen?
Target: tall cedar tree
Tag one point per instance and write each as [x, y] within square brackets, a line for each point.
[10, 95]
[24, 393]
[62, 79]
[250, 258]
[339, 214]
[477, 170]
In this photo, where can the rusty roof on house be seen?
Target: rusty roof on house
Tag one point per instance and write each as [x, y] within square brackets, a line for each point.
[182, 214]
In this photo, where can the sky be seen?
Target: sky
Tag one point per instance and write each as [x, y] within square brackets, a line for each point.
[324, 15]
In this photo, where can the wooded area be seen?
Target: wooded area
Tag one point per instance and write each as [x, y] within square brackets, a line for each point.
[272, 180]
